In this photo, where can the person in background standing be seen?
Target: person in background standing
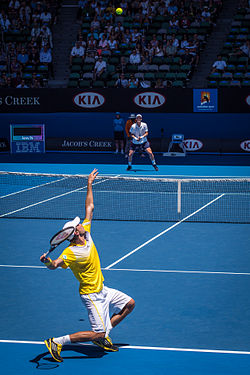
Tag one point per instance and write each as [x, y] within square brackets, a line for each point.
[129, 123]
[118, 124]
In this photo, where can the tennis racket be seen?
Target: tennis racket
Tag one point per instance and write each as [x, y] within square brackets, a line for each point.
[58, 238]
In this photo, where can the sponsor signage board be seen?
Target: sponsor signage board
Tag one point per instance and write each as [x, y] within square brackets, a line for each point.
[80, 144]
[27, 138]
[205, 100]
[245, 145]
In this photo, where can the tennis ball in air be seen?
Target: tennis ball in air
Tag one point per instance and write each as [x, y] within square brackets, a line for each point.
[119, 11]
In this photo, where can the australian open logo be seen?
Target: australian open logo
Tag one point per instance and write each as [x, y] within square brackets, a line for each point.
[205, 100]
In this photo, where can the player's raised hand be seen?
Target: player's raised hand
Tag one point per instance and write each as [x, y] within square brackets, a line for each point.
[93, 175]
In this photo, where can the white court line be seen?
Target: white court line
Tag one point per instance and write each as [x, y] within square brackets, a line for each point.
[33, 187]
[180, 271]
[163, 232]
[141, 347]
[50, 199]
[141, 270]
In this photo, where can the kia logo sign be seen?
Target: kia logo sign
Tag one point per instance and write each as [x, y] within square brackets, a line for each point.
[149, 99]
[248, 99]
[245, 145]
[89, 100]
[192, 144]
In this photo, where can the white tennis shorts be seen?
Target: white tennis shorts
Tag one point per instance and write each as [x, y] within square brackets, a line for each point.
[101, 306]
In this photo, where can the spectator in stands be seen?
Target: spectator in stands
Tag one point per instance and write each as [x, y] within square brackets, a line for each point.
[24, 17]
[82, 42]
[91, 46]
[185, 23]
[146, 58]
[145, 84]
[135, 35]
[89, 59]
[26, 8]
[3, 79]
[103, 43]
[35, 32]
[23, 58]
[46, 36]
[35, 83]
[154, 42]
[158, 51]
[244, 50]
[46, 59]
[36, 17]
[219, 65]
[159, 84]
[121, 82]
[46, 17]
[22, 85]
[8, 83]
[15, 67]
[193, 49]
[206, 14]
[77, 51]
[174, 23]
[17, 79]
[184, 44]
[112, 43]
[187, 58]
[100, 68]
[135, 57]
[34, 57]
[172, 8]
[127, 36]
[3, 55]
[119, 29]
[93, 33]
[170, 49]
[4, 22]
[14, 4]
[133, 82]
[95, 24]
[175, 41]
[121, 67]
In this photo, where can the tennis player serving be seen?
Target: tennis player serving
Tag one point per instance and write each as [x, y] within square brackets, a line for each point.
[139, 133]
[82, 258]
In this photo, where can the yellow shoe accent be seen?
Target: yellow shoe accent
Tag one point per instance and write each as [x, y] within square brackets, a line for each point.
[54, 349]
[106, 344]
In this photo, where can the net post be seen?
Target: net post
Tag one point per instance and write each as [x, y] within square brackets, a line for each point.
[179, 197]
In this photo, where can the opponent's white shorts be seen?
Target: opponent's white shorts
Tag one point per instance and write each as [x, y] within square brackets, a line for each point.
[101, 306]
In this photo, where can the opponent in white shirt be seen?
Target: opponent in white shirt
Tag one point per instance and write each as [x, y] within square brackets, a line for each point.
[139, 133]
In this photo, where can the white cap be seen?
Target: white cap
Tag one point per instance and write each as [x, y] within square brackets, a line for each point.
[72, 223]
[138, 115]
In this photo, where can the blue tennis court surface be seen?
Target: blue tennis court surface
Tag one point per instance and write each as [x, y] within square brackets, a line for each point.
[190, 281]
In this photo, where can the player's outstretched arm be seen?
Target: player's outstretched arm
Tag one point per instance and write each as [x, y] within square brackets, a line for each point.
[89, 202]
[51, 264]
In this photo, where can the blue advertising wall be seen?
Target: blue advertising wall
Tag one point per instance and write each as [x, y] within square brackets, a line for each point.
[194, 125]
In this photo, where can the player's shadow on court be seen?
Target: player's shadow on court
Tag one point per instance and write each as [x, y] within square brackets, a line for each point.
[78, 352]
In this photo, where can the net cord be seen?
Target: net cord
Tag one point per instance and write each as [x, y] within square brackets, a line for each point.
[126, 178]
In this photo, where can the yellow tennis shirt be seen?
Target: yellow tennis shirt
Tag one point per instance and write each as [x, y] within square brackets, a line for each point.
[85, 264]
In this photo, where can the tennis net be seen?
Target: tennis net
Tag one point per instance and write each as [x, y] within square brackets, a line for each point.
[60, 196]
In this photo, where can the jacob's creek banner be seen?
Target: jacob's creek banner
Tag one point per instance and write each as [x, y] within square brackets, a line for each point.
[127, 100]
[158, 145]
